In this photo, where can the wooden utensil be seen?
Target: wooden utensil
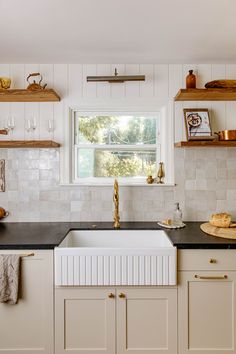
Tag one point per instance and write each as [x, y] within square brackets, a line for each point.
[229, 232]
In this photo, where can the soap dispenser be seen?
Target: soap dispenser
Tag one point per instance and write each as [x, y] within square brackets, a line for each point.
[177, 217]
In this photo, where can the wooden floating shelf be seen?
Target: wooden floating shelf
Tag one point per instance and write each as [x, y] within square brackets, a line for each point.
[214, 143]
[28, 144]
[47, 95]
[214, 94]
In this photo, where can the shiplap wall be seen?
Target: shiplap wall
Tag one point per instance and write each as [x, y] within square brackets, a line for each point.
[162, 82]
[205, 178]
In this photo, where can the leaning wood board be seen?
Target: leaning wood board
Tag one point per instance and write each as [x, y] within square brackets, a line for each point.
[219, 231]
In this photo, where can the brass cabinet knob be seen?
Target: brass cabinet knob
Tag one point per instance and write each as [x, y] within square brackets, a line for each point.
[111, 296]
[122, 296]
[212, 260]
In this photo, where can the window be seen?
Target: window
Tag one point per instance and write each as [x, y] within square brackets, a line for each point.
[124, 145]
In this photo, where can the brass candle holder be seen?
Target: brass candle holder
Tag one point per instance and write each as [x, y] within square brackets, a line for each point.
[160, 173]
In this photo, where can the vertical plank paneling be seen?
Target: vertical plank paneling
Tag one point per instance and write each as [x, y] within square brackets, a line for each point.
[17, 74]
[118, 90]
[70, 82]
[32, 109]
[46, 109]
[203, 75]
[218, 111]
[18, 79]
[147, 86]
[230, 106]
[75, 83]
[161, 74]
[218, 71]
[4, 107]
[103, 88]
[4, 70]
[61, 86]
[132, 89]
[4, 114]
[175, 79]
[18, 113]
[89, 88]
[175, 82]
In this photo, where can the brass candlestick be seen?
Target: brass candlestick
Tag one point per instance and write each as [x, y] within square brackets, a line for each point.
[160, 173]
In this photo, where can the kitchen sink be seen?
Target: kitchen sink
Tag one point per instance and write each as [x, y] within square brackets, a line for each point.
[115, 257]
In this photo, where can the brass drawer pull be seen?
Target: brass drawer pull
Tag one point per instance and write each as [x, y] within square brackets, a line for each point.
[212, 260]
[219, 277]
[122, 296]
[111, 296]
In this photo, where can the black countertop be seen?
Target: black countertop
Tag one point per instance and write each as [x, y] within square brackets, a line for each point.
[45, 235]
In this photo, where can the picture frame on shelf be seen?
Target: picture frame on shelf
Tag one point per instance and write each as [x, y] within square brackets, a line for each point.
[198, 124]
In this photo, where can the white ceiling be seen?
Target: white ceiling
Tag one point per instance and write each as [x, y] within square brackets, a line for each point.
[117, 31]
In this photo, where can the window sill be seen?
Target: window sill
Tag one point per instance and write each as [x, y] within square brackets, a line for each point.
[121, 184]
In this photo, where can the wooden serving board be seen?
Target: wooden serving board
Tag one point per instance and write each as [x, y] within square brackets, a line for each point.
[218, 231]
[221, 84]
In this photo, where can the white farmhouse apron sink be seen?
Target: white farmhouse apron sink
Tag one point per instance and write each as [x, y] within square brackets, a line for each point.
[115, 257]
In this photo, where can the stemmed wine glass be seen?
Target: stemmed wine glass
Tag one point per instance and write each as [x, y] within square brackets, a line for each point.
[31, 125]
[10, 125]
[50, 126]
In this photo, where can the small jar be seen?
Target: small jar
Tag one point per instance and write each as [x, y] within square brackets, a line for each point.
[190, 80]
[150, 179]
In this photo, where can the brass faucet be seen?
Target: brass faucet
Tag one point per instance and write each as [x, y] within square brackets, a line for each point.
[116, 202]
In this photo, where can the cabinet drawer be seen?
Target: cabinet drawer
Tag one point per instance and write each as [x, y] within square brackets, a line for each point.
[207, 259]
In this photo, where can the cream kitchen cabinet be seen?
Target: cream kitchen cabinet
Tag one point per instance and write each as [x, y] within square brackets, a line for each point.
[206, 301]
[146, 320]
[116, 320]
[27, 327]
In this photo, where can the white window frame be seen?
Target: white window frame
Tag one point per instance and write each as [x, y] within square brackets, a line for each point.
[166, 145]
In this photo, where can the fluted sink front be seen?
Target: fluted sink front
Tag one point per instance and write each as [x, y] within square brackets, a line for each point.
[115, 257]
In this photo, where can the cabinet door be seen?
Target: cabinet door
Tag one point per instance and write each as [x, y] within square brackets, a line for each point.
[85, 321]
[206, 317]
[146, 321]
[27, 327]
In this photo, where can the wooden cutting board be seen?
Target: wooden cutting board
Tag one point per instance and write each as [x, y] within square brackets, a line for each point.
[218, 231]
[221, 84]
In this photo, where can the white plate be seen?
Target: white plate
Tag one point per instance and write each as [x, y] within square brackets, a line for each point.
[172, 226]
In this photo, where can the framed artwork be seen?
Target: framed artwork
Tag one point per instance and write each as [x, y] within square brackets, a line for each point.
[197, 123]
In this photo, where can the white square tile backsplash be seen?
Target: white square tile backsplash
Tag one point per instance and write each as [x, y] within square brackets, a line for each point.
[205, 183]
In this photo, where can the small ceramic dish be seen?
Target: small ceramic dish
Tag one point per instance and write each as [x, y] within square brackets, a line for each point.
[172, 226]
